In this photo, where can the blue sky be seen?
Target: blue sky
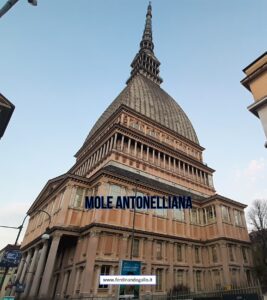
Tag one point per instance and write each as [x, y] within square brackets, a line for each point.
[64, 61]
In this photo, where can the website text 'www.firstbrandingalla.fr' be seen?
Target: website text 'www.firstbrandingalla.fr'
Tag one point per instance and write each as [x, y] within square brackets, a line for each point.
[128, 279]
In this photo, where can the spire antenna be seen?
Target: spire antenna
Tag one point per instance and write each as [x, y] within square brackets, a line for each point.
[145, 62]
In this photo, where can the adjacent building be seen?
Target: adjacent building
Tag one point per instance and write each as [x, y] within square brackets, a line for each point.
[6, 111]
[256, 82]
[143, 143]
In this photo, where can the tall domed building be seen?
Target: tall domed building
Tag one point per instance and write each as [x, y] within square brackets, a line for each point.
[142, 144]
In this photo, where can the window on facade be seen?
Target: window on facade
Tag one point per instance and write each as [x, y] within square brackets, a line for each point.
[214, 253]
[159, 250]
[197, 254]
[60, 199]
[78, 198]
[151, 132]
[66, 282]
[136, 126]
[136, 247]
[225, 213]
[178, 214]
[180, 277]
[159, 275]
[105, 269]
[233, 276]
[210, 213]
[198, 280]
[79, 279]
[194, 216]
[248, 274]
[244, 254]
[115, 191]
[217, 279]
[179, 253]
[231, 252]
[238, 218]
[161, 211]
[140, 194]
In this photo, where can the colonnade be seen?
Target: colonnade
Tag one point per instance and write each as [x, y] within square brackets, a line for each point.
[145, 153]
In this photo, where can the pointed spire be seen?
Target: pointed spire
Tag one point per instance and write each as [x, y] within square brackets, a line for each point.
[145, 62]
[147, 42]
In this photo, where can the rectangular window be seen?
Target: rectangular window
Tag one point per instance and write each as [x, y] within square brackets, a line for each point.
[193, 216]
[159, 250]
[78, 198]
[231, 252]
[217, 279]
[178, 214]
[79, 279]
[244, 254]
[233, 277]
[105, 269]
[161, 212]
[225, 213]
[198, 280]
[179, 253]
[214, 254]
[197, 254]
[180, 277]
[238, 218]
[140, 194]
[159, 274]
[136, 248]
[115, 191]
[210, 213]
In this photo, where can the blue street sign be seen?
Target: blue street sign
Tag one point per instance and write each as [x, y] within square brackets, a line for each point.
[10, 259]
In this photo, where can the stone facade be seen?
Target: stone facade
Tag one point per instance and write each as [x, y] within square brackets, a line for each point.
[145, 144]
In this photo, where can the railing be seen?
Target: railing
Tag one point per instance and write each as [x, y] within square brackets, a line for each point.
[247, 292]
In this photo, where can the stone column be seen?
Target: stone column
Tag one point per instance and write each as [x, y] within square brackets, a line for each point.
[142, 150]
[225, 260]
[39, 271]
[115, 141]
[123, 251]
[97, 278]
[25, 267]
[77, 255]
[190, 263]
[49, 266]
[30, 272]
[148, 260]
[111, 143]
[219, 219]
[147, 153]
[153, 156]
[129, 145]
[87, 282]
[122, 142]
[135, 148]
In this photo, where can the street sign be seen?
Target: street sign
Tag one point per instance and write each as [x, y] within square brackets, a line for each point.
[130, 267]
[10, 259]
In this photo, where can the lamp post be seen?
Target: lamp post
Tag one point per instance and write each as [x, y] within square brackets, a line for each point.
[44, 236]
[133, 228]
[6, 7]
[16, 242]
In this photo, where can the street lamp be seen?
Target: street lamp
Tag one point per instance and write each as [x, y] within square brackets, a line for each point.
[133, 228]
[45, 236]
[6, 7]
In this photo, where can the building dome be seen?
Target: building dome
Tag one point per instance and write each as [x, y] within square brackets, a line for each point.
[149, 99]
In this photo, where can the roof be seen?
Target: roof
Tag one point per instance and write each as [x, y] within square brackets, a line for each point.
[149, 99]
[152, 183]
[6, 111]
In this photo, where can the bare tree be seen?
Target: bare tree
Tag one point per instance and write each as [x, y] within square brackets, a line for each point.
[257, 217]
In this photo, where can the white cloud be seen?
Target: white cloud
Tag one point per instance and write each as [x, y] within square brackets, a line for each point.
[245, 183]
